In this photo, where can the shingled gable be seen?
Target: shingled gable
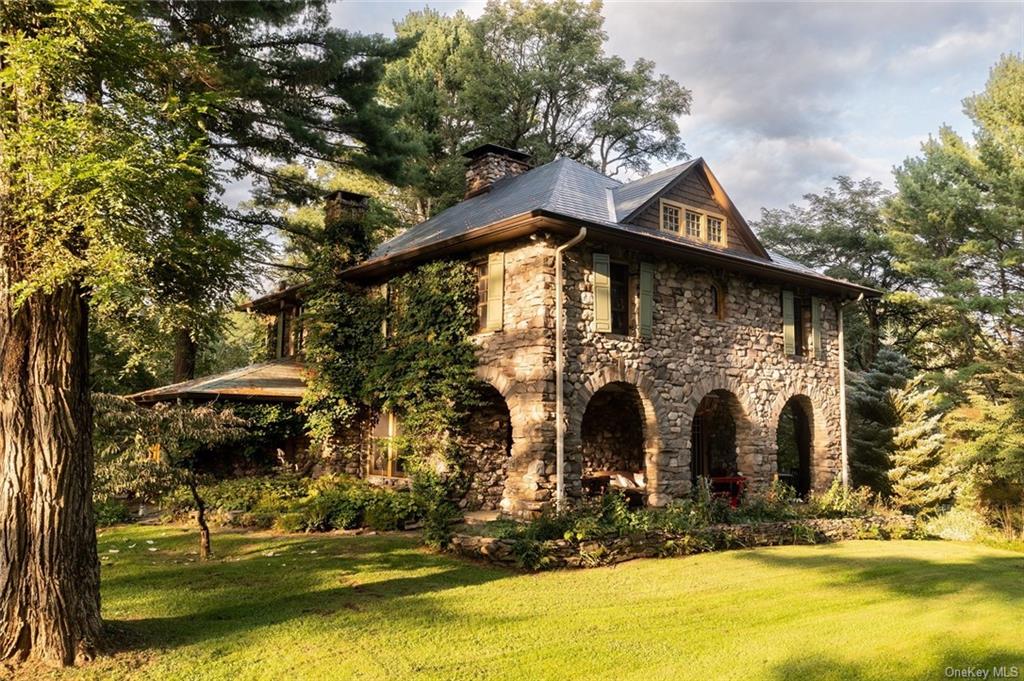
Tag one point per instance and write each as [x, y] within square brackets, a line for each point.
[563, 195]
[632, 201]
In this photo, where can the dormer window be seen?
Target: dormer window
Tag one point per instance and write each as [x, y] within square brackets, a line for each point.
[697, 224]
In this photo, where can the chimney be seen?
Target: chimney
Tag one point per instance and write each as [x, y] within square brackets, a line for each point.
[489, 163]
[344, 206]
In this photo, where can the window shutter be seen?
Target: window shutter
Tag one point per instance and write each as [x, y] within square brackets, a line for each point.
[788, 325]
[817, 339]
[602, 293]
[495, 291]
[646, 298]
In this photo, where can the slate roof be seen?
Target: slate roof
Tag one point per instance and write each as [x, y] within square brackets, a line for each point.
[569, 189]
[281, 380]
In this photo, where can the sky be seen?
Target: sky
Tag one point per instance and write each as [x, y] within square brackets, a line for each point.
[787, 96]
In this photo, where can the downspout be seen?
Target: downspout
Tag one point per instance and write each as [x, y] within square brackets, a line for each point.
[559, 370]
[844, 452]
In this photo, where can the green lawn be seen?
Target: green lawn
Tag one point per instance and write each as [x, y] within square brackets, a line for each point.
[334, 607]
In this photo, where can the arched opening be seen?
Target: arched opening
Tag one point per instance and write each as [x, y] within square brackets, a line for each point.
[486, 444]
[612, 433]
[793, 443]
[713, 443]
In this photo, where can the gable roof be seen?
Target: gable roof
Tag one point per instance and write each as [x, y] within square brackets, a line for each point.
[568, 190]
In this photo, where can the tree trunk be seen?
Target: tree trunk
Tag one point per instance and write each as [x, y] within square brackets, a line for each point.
[204, 530]
[185, 350]
[49, 574]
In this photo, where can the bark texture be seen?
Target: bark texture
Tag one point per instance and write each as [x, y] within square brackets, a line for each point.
[49, 569]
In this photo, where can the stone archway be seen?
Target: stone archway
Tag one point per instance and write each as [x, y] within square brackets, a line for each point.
[746, 436]
[822, 465]
[713, 436]
[486, 444]
[612, 440]
[647, 409]
[793, 441]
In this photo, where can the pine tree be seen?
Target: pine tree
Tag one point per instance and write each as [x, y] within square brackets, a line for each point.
[872, 418]
[921, 479]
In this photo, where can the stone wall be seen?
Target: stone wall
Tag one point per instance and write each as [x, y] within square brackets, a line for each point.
[612, 431]
[485, 445]
[559, 553]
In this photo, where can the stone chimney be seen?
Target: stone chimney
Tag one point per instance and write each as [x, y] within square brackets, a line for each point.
[489, 163]
[343, 206]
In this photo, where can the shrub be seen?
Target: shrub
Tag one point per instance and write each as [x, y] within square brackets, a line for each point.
[441, 514]
[841, 502]
[110, 511]
[776, 503]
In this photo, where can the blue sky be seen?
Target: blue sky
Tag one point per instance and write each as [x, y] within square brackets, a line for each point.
[786, 96]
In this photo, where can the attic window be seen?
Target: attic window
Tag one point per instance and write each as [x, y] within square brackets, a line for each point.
[670, 217]
[696, 223]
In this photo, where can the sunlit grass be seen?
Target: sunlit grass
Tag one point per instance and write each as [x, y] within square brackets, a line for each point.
[381, 607]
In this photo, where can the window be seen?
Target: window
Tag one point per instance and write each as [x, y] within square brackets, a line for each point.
[481, 295]
[715, 232]
[717, 296]
[619, 275]
[384, 449]
[693, 224]
[670, 218]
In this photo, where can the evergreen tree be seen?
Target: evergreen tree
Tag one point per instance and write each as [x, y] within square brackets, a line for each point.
[873, 417]
[921, 480]
[288, 87]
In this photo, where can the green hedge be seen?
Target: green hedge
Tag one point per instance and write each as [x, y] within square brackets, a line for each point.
[293, 504]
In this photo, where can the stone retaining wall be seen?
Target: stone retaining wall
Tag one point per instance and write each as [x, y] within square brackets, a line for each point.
[560, 553]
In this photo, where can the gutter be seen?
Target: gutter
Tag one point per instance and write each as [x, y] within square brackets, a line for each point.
[560, 370]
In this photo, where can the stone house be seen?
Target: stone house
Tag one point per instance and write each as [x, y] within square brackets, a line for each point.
[630, 334]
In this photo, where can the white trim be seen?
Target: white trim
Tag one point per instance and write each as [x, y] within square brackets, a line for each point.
[704, 215]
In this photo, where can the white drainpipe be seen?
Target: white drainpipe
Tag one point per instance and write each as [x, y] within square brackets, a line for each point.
[843, 448]
[559, 370]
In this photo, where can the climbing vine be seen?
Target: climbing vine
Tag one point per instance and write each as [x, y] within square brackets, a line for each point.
[422, 369]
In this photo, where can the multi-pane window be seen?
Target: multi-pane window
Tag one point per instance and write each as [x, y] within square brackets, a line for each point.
[670, 218]
[481, 295]
[693, 224]
[384, 447]
[715, 231]
[717, 301]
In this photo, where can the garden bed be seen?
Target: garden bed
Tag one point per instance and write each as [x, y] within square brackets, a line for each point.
[524, 553]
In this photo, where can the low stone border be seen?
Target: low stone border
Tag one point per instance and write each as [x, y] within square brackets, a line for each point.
[559, 553]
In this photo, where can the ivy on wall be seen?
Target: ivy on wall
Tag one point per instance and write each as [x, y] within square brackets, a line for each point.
[423, 370]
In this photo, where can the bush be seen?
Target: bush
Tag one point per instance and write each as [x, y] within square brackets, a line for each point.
[777, 503]
[842, 502]
[110, 511]
[441, 514]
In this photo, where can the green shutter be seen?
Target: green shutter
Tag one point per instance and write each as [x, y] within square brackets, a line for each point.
[495, 291]
[602, 293]
[817, 339]
[646, 298]
[279, 351]
[788, 326]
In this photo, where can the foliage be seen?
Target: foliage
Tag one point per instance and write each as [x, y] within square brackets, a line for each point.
[110, 511]
[294, 504]
[433, 494]
[266, 423]
[843, 502]
[921, 480]
[872, 417]
[559, 93]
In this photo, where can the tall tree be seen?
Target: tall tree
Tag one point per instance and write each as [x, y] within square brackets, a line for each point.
[529, 75]
[288, 87]
[842, 232]
[94, 163]
[921, 479]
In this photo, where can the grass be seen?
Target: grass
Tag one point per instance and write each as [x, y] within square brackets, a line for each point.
[381, 607]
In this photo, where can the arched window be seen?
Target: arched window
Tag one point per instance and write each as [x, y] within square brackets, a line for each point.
[717, 296]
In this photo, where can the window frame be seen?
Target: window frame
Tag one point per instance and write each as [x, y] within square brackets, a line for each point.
[627, 296]
[481, 268]
[703, 215]
[392, 465]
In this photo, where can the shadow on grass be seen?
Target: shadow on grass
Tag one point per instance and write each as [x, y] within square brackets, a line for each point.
[304, 578]
[1001, 576]
[951, 664]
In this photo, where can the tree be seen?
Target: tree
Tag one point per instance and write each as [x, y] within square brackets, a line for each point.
[921, 479]
[873, 418]
[94, 163]
[956, 222]
[163, 444]
[843, 233]
[288, 87]
[533, 76]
